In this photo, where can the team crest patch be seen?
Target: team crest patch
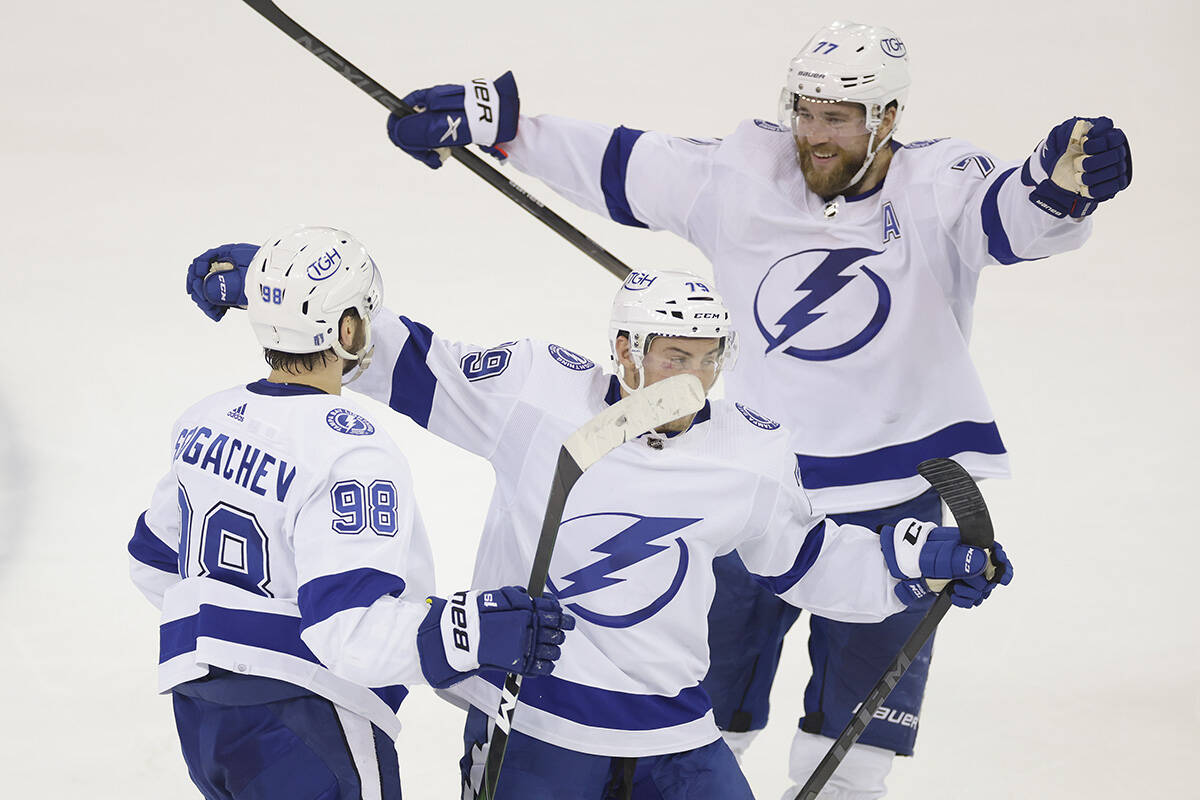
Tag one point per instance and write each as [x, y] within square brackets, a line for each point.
[570, 360]
[757, 419]
[770, 126]
[923, 143]
[348, 422]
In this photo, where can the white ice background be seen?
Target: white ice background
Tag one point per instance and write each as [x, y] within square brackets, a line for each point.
[134, 135]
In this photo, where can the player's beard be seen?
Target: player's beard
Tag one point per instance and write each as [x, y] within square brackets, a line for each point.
[830, 181]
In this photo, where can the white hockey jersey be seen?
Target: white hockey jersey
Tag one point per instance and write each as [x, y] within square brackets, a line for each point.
[853, 327]
[285, 541]
[633, 559]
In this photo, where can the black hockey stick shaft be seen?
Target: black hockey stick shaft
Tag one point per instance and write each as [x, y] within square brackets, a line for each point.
[566, 473]
[273, 14]
[963, 498]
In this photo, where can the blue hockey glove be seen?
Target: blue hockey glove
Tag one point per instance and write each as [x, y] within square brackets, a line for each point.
[1087, 161]
[452, 115]
[502, 629]
[915, 551]
[214, 288]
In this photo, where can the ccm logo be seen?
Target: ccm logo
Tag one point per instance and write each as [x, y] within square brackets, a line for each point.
[707, 315]
[458, 616]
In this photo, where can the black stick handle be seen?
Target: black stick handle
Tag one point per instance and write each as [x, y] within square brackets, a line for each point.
[273, 14]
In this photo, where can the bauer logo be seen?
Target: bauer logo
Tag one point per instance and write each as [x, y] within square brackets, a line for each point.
[758, 419]
[893, 47]
[348, 422]
[570, 360]
[325, 266]
[639, 280]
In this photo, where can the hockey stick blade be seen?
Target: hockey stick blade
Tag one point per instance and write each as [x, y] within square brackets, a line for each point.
[962, 496]
[275, 15]
[640, 412]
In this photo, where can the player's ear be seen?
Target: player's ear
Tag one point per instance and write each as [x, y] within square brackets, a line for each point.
[623, 351]
[888, 121]
[348, 330]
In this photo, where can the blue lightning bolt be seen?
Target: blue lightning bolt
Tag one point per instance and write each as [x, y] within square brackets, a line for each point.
[626, 549]
[822, 283]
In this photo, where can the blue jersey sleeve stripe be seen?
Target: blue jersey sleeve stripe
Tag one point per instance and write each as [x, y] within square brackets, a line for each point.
[413, 382]
[392, 695]
[321, 598]
[602, 708]
[1027, 174]
[612, 176]
[998, 244]
[277, 632]
[899, 461]
[150, 550]
[807, 556]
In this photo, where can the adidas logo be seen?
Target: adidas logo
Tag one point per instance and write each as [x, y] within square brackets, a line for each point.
[239, 413]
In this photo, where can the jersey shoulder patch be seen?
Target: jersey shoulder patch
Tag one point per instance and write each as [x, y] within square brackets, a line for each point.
[345, 421]
[766, 125]
[570, 360]
[757, 419]
[923, 143]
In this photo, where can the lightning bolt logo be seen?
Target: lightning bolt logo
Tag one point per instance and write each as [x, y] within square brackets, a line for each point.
[819, 286]
[627, 548]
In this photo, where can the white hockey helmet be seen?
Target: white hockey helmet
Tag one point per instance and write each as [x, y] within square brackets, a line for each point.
[668, 303]
[853, 63]
[301, 281]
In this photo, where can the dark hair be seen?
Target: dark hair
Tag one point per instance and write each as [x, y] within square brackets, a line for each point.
[295, 363]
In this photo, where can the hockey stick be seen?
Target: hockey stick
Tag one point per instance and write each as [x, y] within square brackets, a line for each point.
[273, 14]
[640, 412]
[965, 502]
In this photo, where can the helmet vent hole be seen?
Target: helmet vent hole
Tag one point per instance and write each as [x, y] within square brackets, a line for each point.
[304, 307]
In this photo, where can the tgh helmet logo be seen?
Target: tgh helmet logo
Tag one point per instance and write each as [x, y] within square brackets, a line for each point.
[893, 47]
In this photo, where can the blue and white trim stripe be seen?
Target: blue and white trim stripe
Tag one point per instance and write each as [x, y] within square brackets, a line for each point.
[603, 708]
[206, 622]
[900, 460]
[998, 244]
[804, 561]
[321, 598]
[413, 383]
[612, 176]
[276, 632]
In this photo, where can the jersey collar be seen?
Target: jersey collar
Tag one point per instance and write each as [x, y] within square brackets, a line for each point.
[271, 389]
[894, 145]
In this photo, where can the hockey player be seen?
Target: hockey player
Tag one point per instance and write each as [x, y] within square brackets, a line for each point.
[639, 534]
[850, 261]
[286, 552]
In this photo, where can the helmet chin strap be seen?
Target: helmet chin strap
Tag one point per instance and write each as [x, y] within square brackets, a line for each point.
[363, 356]
[641, 375]
[872, 151]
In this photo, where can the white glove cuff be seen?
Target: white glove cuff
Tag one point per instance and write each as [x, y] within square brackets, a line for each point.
[909, 537]
[481, 102]
[460, 631]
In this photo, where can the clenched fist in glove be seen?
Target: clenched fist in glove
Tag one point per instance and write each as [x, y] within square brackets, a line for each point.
[501, 629]
[1086, 162]
[916, 551]
[451, 115]
[216, 279]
